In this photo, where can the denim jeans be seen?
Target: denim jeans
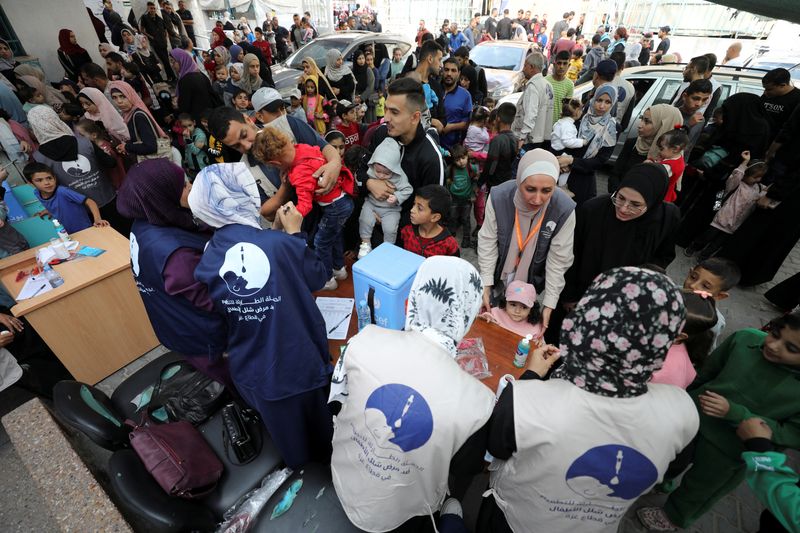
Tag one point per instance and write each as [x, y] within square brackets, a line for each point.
[328, 240]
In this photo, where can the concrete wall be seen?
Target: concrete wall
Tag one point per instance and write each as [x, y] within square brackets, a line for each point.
[36, 23]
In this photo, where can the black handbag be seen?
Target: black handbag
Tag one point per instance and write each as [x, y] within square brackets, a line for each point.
[188, 394]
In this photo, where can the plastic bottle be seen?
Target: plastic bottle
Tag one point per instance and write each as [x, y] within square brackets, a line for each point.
[523, 348]
[53, 277]
[62, 233]
[362, 312]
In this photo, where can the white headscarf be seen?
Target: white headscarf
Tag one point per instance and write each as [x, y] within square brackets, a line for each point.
[444, 300]
[332, 72]
[46, 125]
[226, 194]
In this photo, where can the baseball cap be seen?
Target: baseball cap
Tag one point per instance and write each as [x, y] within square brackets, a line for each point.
[665, 29]
[606, 67]
[344, 106]
[294, 93]
[264, 97]
[519, 291]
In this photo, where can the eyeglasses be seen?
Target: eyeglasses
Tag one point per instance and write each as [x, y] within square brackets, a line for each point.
[632, 207]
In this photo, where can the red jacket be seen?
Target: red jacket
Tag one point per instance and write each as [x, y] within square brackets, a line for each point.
[307, 160]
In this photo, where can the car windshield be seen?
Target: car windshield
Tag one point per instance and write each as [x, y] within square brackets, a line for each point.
[791, 66]
[500, 57]
[317, 50]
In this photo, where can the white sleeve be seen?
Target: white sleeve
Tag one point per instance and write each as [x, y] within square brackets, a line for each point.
[570, 137]
[487, 245]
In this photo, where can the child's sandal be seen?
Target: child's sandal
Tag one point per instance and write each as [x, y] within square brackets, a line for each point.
[655, 519]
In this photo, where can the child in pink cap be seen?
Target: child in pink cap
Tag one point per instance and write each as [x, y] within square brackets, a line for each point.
[518, 311]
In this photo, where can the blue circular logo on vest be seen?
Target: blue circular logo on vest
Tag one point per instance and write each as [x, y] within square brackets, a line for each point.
[612, 472]
[398, 417]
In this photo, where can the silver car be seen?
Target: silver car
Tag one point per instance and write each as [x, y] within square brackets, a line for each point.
[502, 61]
[286, 73]
[658, 84]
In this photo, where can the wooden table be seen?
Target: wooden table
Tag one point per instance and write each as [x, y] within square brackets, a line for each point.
[499, 343]
[95, 322]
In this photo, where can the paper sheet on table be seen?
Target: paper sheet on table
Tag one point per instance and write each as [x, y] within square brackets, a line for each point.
[34, 286]
[336, 312]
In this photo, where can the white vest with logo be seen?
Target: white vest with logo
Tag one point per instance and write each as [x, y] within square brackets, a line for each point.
[583, 459]
[409, 410]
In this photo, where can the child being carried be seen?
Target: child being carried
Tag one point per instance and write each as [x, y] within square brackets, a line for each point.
[384, 165]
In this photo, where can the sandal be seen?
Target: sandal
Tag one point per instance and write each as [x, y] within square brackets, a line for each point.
[655, 519]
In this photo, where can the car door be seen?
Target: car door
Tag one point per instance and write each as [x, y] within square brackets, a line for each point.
[648, 89]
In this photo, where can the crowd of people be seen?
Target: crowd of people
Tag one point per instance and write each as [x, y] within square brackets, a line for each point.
[234, 193]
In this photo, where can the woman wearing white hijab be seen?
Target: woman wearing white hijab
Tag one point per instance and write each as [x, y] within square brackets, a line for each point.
[527, 232]
[402, 422]
[261, 281]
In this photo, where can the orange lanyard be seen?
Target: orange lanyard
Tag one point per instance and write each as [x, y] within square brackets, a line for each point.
[534, 230]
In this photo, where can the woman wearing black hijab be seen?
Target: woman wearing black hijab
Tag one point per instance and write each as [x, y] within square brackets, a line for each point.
[469, 74]
[365, 84]
[632, 227]
[744, 127]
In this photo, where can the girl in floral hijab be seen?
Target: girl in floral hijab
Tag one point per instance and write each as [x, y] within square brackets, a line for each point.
[620, 332]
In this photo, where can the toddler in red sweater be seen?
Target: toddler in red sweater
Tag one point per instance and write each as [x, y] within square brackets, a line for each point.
[298, 162]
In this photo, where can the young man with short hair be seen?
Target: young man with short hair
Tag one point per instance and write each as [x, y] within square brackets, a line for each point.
[692, 100]
[234, 131]
[780, 99]
[422, 161]
[562, 86]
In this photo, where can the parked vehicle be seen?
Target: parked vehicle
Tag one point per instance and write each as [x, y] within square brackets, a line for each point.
[658, 84]
[502, 62]
[286, 73]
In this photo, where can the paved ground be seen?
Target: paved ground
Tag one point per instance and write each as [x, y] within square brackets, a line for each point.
[21, 508]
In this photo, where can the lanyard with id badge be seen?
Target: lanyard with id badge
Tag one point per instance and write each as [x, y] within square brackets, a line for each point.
[521, 245]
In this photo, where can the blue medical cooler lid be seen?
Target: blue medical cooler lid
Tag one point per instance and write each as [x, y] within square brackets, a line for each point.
[389, 265]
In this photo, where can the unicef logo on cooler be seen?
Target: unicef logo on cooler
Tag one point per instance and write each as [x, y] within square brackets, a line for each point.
[245, 270]
[611, 473]
[398, 417]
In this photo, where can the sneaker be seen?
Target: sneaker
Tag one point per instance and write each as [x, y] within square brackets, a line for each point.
[451, 506]
[331, 285]
[364, 249]
[655, 519]
[340, 274]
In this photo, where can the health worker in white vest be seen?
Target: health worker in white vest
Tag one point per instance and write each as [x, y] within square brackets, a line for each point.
[410, 416]
[574, 452]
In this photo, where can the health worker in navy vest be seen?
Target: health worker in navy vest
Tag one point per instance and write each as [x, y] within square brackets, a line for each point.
[574, 452]
[166, 246]
[400, 432]
[527, 233]
[262, 281]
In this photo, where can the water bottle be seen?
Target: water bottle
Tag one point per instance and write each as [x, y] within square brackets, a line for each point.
[523, 348]
[362, 311]
[62, 233]
[53, 277]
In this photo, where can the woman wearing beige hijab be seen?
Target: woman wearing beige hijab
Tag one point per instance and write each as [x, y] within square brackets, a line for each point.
[312, 71]
[527, 233]
[654, 122]
[34, 77]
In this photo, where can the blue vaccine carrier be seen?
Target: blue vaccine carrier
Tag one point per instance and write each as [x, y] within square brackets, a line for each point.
[383, 278]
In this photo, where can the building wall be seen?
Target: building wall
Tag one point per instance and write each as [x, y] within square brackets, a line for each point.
[36, 23]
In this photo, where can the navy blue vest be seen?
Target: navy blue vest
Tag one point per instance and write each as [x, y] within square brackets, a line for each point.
[262, 281]
[179, 325]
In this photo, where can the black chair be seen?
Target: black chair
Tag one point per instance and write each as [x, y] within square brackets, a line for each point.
[315, 508]
[88, 410]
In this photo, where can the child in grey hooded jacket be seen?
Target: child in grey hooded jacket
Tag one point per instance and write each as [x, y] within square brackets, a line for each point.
[384, 165]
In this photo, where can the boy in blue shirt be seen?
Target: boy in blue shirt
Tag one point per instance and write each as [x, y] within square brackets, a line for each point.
[68, 206]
